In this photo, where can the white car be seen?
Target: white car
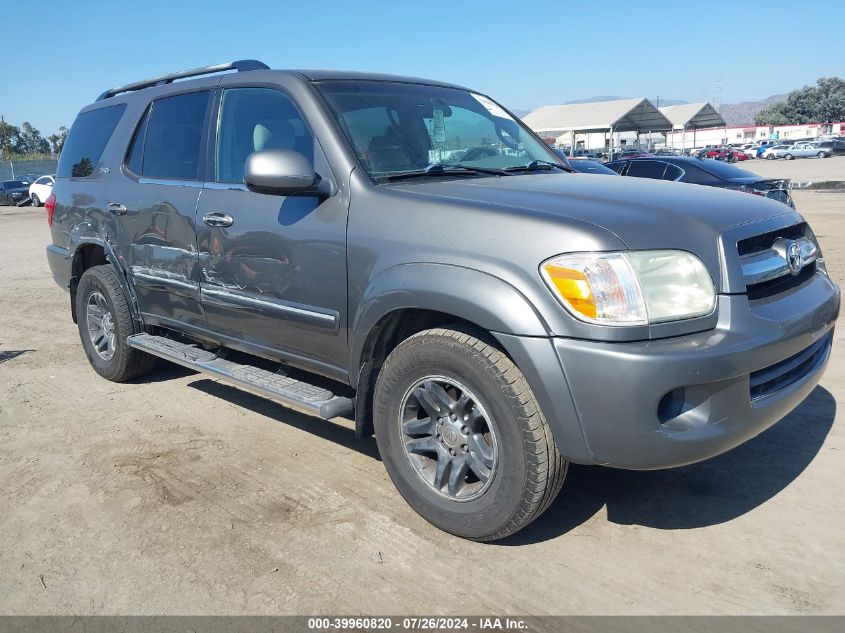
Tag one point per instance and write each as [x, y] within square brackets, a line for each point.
[40, 190]
[798, 150]
[749, 149]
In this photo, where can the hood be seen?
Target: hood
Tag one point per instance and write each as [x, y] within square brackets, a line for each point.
[642, 213]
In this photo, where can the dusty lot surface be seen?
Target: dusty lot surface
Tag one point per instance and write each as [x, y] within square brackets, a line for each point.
[177, 494]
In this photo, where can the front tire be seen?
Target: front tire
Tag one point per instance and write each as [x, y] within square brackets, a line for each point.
[35, 201]
[463, 438]
[789, 157]
[105, 321]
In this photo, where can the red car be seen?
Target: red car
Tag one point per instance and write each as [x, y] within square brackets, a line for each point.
[727, 154]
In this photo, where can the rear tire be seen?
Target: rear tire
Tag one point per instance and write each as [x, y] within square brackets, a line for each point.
[822, 154]
[483, 425]
[771, 157]
[35, 201]
[105, 321]
[789, 156]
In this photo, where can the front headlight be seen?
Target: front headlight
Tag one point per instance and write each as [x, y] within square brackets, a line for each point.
[631, 288]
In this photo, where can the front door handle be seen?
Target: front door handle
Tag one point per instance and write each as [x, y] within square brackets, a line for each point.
[116, 208]
[218, 219]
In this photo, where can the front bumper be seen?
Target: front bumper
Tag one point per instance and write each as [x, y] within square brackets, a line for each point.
[669, 402]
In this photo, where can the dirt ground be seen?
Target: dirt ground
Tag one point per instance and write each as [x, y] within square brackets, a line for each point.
[178, 495]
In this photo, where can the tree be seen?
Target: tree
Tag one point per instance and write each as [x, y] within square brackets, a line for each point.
[9, 139]
[31, 141]
[822, 103]
[57, 141]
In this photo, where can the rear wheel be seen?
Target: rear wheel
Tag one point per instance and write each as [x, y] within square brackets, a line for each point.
[789, 157]
[771, 157]
[462, 436]
[822, 154]
[35, 201]
[105, 321]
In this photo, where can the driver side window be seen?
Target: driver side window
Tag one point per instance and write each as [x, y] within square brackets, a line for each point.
[255, 119]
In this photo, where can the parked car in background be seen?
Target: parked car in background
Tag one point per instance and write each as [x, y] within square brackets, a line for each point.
[666, 151]
[579, 153]
[582, 165]
[764, 145]
[13, 192]
[749, 149]
[632, 153]
[724, 153]
[41, 189]
[712, 173]
[833, 147]
[587, 166]
[798, 150]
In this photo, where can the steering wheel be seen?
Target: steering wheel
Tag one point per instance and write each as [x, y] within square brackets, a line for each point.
[475, 153]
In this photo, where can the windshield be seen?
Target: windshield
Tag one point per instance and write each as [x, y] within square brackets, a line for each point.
[398, 128]
[14, 184]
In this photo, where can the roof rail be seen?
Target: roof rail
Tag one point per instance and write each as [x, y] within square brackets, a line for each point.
[240, 65]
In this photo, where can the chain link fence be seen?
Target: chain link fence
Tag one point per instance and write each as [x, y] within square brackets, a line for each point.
[18, 169]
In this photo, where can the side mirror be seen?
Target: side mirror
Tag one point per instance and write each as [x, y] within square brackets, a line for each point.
[283, 172]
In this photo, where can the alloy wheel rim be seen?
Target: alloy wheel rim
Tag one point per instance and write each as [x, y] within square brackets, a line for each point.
[448, 438]
[100, 325]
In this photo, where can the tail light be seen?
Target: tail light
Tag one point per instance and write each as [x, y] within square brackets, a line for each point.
[50, 206]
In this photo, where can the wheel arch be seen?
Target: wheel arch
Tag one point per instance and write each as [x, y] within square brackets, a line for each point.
[409, 298]
[92, 251]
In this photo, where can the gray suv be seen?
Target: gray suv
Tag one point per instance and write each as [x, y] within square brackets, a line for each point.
[408, 254]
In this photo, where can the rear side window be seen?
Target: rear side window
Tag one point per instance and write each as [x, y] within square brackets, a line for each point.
[168, 142]
[646, 169]
[673, 172]
[86, 141]
[618, 165]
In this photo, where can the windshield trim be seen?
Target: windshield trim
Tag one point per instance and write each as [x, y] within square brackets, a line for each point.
[381, 181]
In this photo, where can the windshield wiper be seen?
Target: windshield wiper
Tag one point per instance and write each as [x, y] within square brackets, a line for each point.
[539, 165]
[439, 169]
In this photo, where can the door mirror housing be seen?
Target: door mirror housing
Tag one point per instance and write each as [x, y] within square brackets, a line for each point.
[284, 172]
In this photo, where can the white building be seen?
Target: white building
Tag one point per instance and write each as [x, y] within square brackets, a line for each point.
[726, 135]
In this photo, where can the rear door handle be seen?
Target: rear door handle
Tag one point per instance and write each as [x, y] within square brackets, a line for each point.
[218, 219]
[116, 208]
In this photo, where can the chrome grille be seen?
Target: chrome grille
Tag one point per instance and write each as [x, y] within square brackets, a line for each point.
[777, 260]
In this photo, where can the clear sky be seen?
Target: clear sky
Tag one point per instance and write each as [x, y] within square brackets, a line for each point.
[524, 54]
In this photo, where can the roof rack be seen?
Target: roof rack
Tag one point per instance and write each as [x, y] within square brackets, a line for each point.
[240, 65]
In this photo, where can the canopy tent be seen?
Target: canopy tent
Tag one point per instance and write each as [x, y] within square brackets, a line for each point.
[693, 116]
[607, 117]
[622, 115]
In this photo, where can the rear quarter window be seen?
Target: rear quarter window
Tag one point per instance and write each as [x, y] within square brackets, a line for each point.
[86, 141]
[647, 169]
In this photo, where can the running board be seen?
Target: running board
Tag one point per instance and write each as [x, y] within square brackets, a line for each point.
[294, 393]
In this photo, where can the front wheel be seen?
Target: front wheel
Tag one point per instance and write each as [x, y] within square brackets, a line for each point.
[105, 321]
[35, 201]
[789, 157]
[771, 157]
[462, 437]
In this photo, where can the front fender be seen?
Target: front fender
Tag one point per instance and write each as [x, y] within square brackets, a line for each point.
[471, 295]
[491, 304]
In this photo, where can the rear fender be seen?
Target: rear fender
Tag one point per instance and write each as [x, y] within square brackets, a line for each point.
[82, 235]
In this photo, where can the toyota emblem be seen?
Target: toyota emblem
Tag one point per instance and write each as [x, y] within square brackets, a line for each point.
[793, 258]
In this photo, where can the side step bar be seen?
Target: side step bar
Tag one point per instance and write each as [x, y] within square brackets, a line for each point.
[294, 393]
